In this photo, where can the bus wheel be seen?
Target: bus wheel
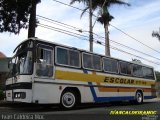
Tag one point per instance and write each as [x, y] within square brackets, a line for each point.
[68, 99]
[139, 97]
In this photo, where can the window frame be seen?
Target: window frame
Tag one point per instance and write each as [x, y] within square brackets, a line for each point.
[103, 59]
[44, 47]
[136, 75]
[68, 49]
[152, 72]
[92, 61]
[121, 71]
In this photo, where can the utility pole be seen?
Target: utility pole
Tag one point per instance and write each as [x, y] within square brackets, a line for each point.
[32, 20]
[90, 26]
[107, 45]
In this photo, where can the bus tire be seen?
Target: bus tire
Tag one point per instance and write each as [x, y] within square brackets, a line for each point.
[139, 97]
[68, 99]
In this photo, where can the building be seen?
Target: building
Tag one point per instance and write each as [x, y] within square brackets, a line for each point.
[3, 69]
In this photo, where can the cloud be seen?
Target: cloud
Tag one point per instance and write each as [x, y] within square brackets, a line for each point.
[139, 21]
[131, 16]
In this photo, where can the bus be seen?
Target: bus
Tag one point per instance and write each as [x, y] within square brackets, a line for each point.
[45, 72]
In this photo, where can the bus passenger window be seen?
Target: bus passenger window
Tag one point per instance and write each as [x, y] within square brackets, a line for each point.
[148, 73]
[87, 61]
[110, 65]
[62, 56]
[44, 63]
[74, 58]
[97, 62]
[125, 68]
[137, 71]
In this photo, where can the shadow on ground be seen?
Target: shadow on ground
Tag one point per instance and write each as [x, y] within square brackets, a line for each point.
[33, 108]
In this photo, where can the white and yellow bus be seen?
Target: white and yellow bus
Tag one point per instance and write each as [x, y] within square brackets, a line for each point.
[49, 73]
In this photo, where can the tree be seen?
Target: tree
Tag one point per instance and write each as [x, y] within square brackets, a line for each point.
[156, 34]
[105, 17]
[15, 15]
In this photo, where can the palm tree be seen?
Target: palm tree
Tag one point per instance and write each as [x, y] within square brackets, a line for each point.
[156, 34]
[105, 17]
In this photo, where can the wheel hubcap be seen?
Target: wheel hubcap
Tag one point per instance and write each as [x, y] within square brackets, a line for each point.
[68, 100]
[139, 97]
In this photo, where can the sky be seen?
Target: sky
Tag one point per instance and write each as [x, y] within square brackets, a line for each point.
[137, 20]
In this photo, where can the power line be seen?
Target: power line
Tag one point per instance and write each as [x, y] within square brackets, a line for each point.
[112, 26]
[120, 50]
[68, 5]
[65, 25]
[69, 33]
[135, 50]
[63, 31]
[130, 48]
[135, 55]
[80, 30]
[134, 38]
[72, 6]
[55, 28]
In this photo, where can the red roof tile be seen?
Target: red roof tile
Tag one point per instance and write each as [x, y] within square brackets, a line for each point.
[2, 55]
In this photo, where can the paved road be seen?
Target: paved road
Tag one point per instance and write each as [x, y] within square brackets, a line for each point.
[84, 112]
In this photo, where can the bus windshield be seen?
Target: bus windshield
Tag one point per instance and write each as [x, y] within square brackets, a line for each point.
[22, 63]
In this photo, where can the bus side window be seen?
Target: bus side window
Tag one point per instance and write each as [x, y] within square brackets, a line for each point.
[87, 61]
[148, 73]
[97, 62]
[62, 56]
[44, 63]
[92, 61]
[110, 65]
[125, 68]
[74, 58]
[137, 70]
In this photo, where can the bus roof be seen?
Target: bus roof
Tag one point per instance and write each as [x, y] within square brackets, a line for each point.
[41, 40]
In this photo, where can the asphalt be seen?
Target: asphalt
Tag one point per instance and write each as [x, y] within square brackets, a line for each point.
[5, 103]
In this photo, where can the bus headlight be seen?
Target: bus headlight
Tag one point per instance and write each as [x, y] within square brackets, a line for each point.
[20, 95]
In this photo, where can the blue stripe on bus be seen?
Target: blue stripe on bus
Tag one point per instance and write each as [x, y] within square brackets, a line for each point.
[85, 71]
[107, 99]
[149, 97]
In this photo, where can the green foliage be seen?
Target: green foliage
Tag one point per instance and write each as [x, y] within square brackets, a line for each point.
[102, 6]
[156, 34]
[105, 18]
[14, 15]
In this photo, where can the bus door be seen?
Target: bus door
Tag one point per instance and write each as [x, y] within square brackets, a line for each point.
[44, 62]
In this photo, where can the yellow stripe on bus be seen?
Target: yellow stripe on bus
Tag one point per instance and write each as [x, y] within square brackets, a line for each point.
[75, 76]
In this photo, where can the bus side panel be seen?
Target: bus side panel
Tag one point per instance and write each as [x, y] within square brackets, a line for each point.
[86, 94]
[51, 93]
[46, 93]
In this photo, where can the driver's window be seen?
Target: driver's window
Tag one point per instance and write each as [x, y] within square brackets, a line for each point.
[44, 62]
